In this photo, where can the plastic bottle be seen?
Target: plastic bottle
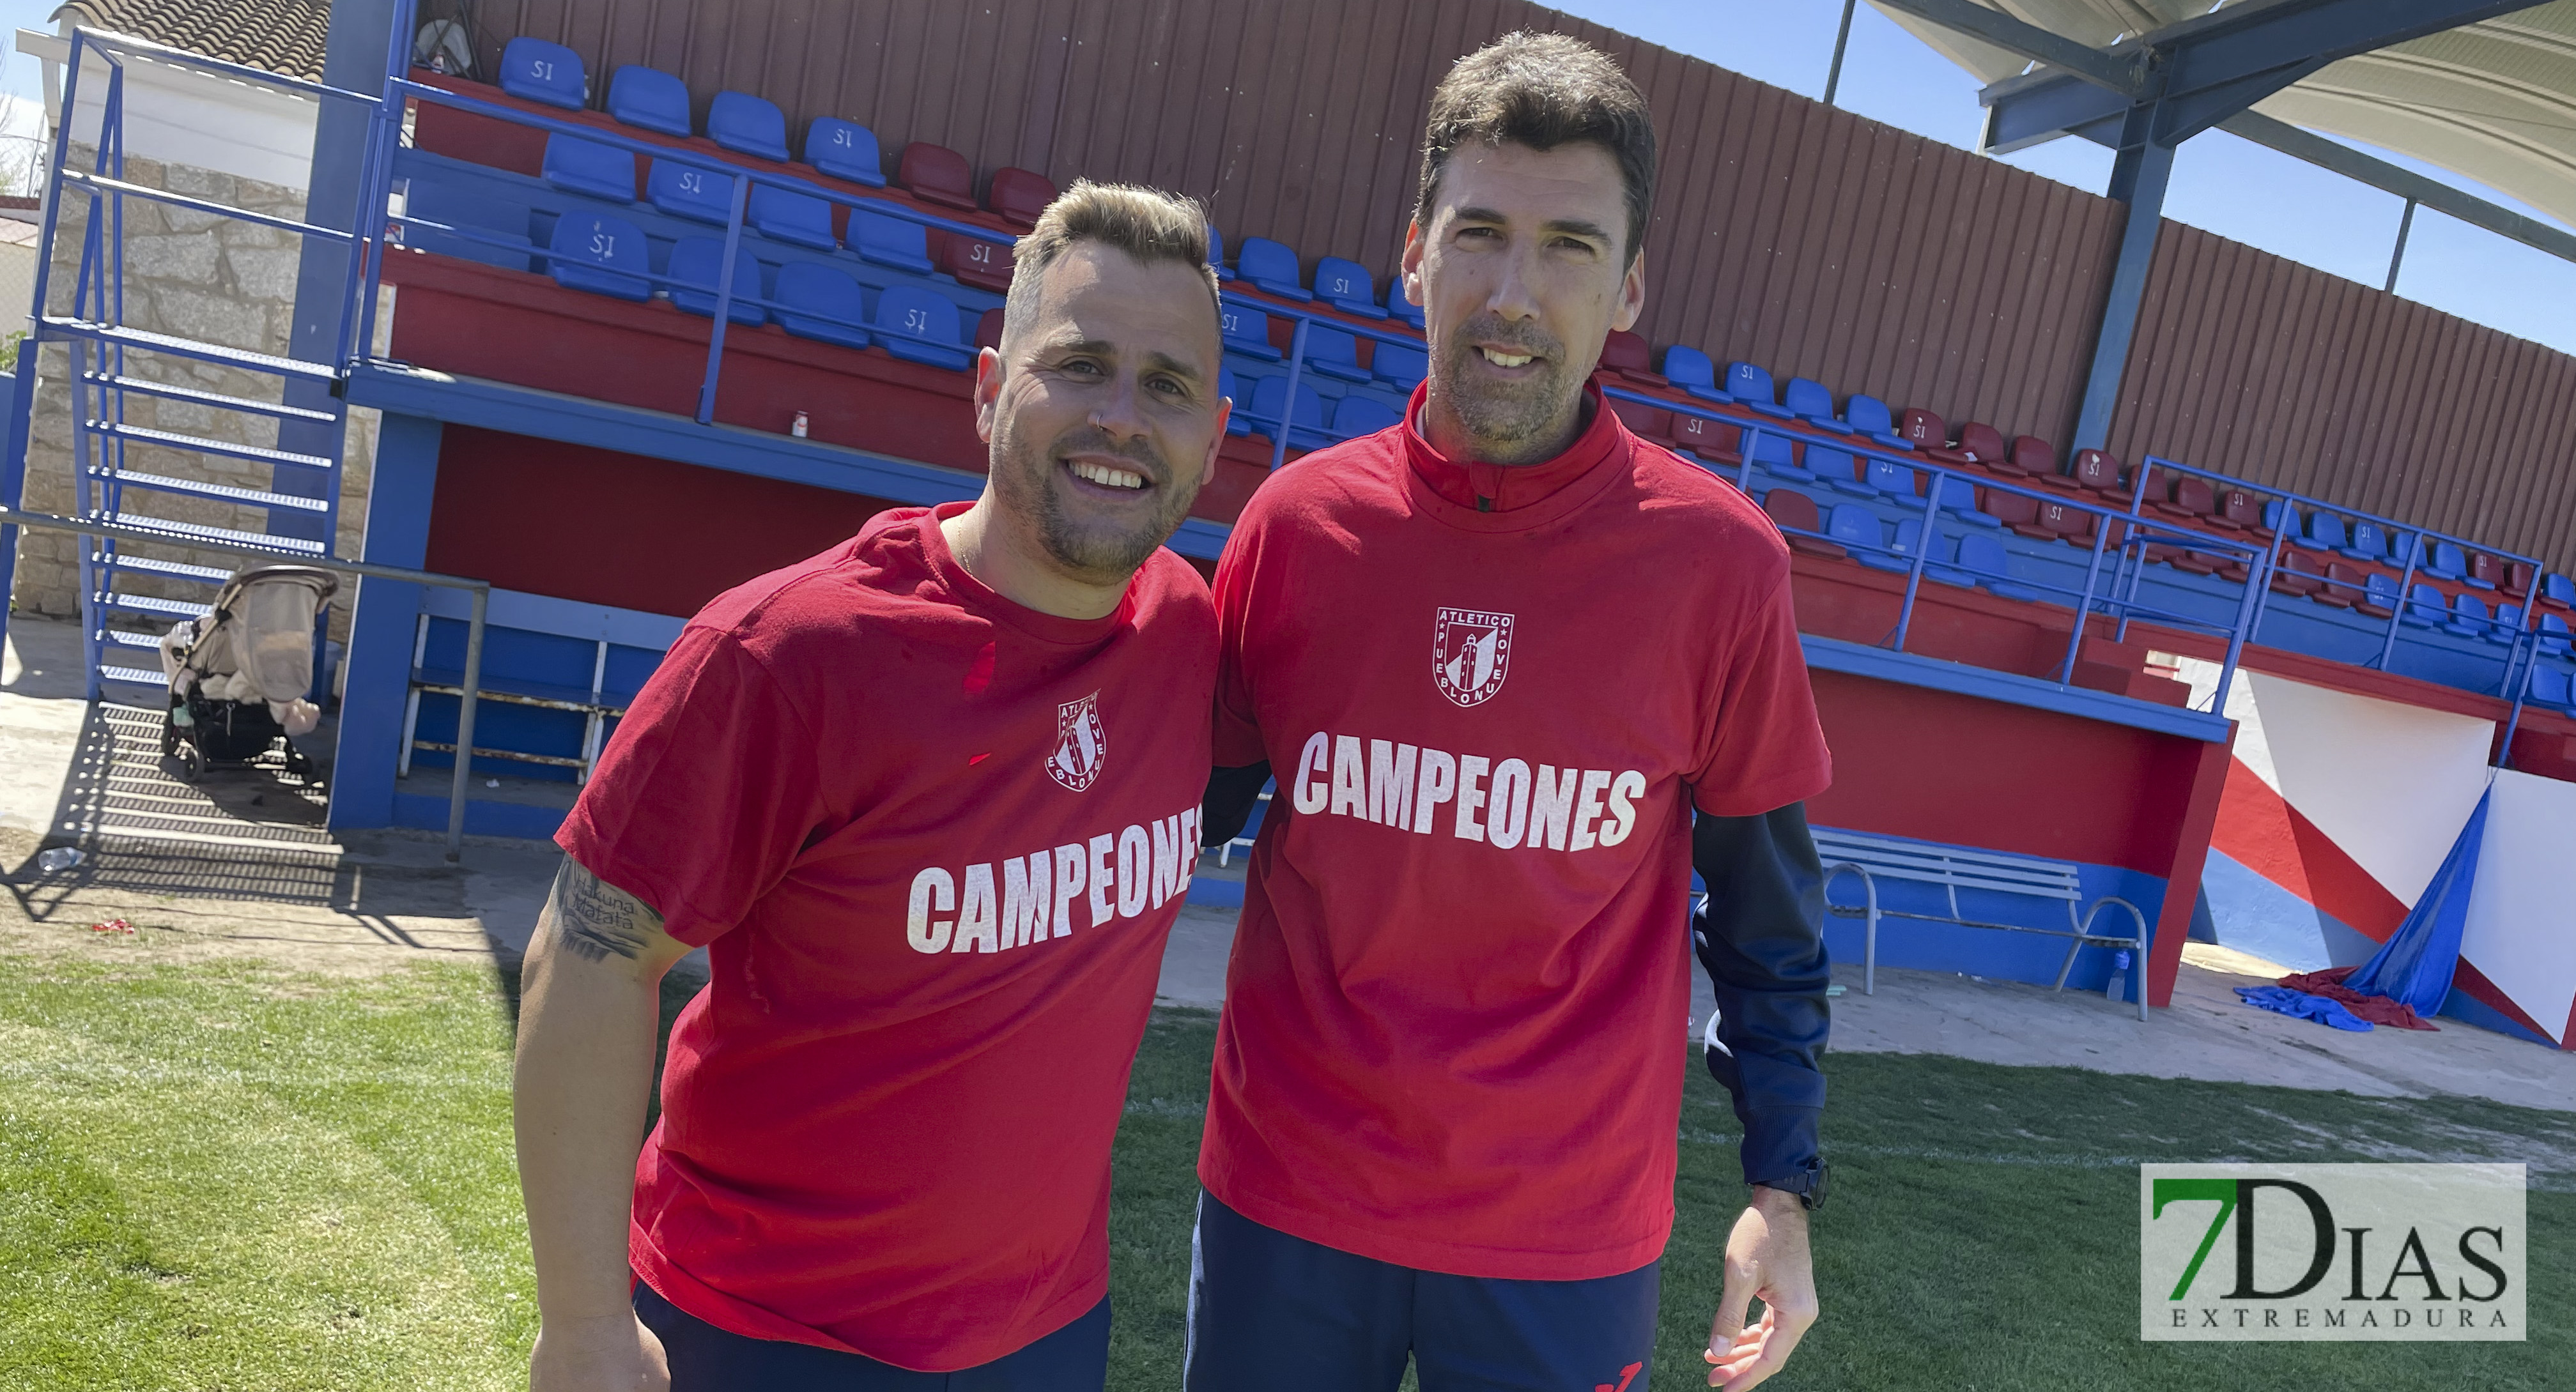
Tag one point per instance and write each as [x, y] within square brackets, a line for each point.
[2119, 976]
[58, 860]
[797, 429]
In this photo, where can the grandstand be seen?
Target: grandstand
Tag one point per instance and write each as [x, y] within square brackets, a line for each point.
[666, 313]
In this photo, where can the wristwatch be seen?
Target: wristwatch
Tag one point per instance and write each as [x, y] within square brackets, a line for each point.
[1808, 1185]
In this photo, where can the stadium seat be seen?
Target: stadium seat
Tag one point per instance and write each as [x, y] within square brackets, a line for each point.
[1894, 479]
[821, 303]
[2279, 516]
[1857, 527]
[2425, 607]
[1356, 415]
[2508, 627]
[783, 215]
[1811, 401]
[1690, 369]
[576, 165]
[937, 174]
[2485, 571]
[1334, 353]
[694, 261]
[1909, 534]
[845, 150]
[1713, 441]
[890, 241]
[2098, 472]
[1216, 253]
[1959, 499]
[2517, 577]
[2191, 500]
[1019, 195]
[2559, 591]
[1238, 421]
[1347, 286]
[1305, 427]
[920, 326]
[685, 192]
[1980, 443]
[1983, 556]
[538, 71]
[2369, 542]
[649, 98]
[2300, 576]
[2446, 562]
[2031, 455]
[2067, 523]
[2237, 510]
[1773, 453]
[1631, 358]
[1644, 421]
[1398, 307]
[1247, 331]
[1401, 366]
[590, 250]
[2019, 511]
[2324, 532]
[2548, 687]
[2468, 617]
[977, 261]
[748, 125]
[2377, 595]
[988, 334]
[1922, 430]
[1271, 267]
[1867, 415]
[500, 226]
[1837, 470]
[1751, 387]
[2554, 635]
[1795, 513]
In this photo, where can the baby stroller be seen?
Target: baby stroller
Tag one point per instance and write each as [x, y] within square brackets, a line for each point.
[238, 676]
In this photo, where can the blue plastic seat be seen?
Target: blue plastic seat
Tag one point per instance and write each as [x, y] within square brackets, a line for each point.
[1272, 267]
[1404, 367]
[649, 98]
[2281, 517]
[822, 303]
[890, 241]
[2468, 617]
[2549, 687]
[2507, 628]
[784, 215]
[2425, 607]
[845, 150]
[1909, 536]
[2369, 542]
[2402, 545]
[2379, 592]
[1690, 369]
[1238, 421]
[1334, 353]
[1984, 556]
[2554, 635]
[1356, 415]
[1398, 307]
[1247, 331]
[590, 250]
[1859, 528]
[498, 228]
[694, 194]
[1305, 427]
[920, 326]
[576, 165]
[1867, 415]
[2559, 588]
[748, 125]
[1348, 287]
[1959, 499]
[1838, 470]
[1751, 385]
[1891, 478]
[1771, 453]
[538, 71]
[2326, 533]
[1216, 253]
[2447, 562]
[694, 260]
[1811, 401]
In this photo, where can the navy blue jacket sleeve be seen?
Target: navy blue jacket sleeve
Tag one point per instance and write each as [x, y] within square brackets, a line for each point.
[1760, 934]
[1231, 795]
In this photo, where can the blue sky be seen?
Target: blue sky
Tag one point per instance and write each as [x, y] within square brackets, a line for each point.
[2221, 184]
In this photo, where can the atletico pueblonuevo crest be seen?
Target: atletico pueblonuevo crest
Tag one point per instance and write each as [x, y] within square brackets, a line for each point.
[1081, 745]
[1471, 652]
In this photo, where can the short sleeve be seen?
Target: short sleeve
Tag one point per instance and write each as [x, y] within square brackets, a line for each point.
[1764, 748]
[1237, 734]
[706, 794]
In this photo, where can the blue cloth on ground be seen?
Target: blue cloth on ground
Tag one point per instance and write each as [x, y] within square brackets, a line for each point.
[2281, 1000]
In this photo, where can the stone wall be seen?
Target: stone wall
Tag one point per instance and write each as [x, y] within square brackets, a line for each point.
[202, 277]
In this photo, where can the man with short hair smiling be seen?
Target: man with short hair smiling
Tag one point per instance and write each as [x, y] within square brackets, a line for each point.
[931, 798]
[1498, 656]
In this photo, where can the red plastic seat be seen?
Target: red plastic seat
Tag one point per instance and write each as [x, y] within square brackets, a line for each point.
[988, 330]
[1644, 421]
[2485, 568]
[2298, 575]
[1628, 355]
[1923, 430]
[1795, 510]
[975, 261]
[2018, 511]
[1980, 443]
[2352, 587]
[2029, 454]
[2098, 472]
[938, 174]
[1715, 441]
[1019, 195]
[2192, 500]
[2239, 510]
[2065, 523]
[2517, 577]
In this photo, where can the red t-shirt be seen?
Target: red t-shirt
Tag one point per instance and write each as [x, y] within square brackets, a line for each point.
[935, 841]
[1455, 1014]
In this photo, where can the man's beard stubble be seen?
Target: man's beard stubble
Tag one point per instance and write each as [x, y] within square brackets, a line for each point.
[1030, 484]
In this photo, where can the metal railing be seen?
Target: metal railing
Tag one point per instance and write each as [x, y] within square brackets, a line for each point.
[479, 590]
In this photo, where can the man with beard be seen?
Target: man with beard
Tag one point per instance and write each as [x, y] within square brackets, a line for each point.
[930, 798]
[1498, 655]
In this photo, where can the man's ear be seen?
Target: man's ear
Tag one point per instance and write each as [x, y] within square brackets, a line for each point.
[988, 391]
[1409, 268]
[1632, 293]
[1216, 442]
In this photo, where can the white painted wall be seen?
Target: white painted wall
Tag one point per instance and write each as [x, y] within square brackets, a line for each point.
[2521, 928]
[186, 116]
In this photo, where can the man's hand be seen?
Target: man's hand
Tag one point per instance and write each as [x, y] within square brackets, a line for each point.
[1766, 1258]
[606, 1353]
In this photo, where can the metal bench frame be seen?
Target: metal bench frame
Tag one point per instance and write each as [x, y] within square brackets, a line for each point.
[1873, 858]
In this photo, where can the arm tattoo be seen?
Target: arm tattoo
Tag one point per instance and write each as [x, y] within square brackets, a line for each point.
[597, 918]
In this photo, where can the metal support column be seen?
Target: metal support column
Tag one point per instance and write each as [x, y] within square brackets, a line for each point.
[2138, 179]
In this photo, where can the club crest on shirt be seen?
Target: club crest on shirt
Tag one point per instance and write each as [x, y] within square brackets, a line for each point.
[1471, 652]
[1081, 745]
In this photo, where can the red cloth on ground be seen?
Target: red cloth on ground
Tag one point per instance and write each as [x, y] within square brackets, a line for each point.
[2379, 1010]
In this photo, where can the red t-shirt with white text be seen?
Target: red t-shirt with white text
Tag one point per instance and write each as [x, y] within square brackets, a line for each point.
[934, 841]
[1455, 1013]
